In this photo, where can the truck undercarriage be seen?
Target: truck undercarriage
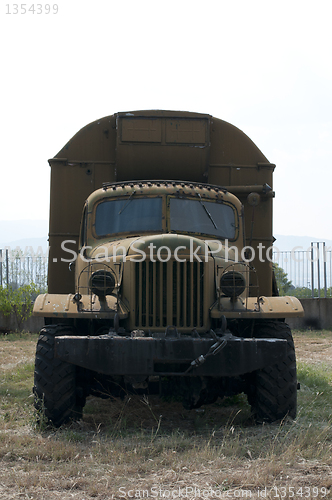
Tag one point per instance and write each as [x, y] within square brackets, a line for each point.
[193, 369]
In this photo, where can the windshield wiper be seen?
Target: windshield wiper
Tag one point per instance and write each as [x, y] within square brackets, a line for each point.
[128, 201]
[206, 210]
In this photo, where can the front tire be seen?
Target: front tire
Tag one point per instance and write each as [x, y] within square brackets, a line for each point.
[55, 381]
[272, 391]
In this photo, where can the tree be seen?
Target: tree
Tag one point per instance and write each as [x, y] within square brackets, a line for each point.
[283, 283]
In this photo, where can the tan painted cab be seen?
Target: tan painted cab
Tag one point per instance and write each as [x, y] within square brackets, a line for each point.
[160, 273]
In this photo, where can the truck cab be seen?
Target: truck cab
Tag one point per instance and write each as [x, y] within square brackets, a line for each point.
[156, 252]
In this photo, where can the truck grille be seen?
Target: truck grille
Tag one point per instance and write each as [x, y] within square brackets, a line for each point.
[169, 294]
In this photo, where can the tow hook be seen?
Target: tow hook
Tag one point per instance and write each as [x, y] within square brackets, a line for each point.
[214, 349]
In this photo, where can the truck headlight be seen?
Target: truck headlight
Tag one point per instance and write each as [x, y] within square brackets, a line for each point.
[232, 284]
[102, 283]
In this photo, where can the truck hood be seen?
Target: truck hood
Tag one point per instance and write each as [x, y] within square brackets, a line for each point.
[164, 246]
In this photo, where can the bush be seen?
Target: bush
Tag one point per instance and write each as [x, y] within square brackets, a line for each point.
[18, 302]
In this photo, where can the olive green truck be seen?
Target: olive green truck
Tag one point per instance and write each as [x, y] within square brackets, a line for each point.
[160, 272]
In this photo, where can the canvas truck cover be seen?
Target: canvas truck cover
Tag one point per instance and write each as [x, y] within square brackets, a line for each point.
[152, 145]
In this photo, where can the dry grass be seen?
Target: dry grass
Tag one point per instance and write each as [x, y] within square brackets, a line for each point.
[146, 448]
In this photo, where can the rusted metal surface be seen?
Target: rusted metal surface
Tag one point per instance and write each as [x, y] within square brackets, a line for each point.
[261, 308]
[88, 306]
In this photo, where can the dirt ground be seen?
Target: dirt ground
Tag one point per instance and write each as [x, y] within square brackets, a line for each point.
[15, 353]
[313, 349]
[21, 480]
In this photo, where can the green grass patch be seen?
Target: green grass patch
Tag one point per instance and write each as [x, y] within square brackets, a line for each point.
[312, 334]
[18, 336]
[315, 396]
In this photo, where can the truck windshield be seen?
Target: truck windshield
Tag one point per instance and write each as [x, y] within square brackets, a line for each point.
[201, 216]
[130, 215]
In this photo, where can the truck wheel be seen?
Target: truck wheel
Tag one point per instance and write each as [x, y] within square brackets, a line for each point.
[272, 392]
[55, 382]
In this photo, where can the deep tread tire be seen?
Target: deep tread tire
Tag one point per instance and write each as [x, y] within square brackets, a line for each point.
[273, 390]
[54, 381]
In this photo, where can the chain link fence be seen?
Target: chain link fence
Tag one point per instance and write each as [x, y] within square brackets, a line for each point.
[306, 273]
[18, 268]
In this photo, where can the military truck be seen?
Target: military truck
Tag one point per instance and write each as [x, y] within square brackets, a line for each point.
[160, 272]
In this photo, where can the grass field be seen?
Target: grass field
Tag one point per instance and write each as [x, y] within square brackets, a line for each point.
[144, 448]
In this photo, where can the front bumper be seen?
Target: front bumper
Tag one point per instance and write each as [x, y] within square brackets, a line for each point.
[115, 355]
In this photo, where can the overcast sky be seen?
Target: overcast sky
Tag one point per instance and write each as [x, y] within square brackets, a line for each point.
[263, 66]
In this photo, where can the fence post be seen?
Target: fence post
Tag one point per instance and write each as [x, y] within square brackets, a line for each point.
[7, 268]
[318, 267]
[325, 278]
[312, 271]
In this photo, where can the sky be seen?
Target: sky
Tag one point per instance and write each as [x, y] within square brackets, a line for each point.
[263, 66]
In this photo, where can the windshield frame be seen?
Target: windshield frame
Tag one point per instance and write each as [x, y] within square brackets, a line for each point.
[202, 200]
[165, 214]
[127, 199]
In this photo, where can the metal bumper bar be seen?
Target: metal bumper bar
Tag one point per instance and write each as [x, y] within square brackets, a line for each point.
[115, 355]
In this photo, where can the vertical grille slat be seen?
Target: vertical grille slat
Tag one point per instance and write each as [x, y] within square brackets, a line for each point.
[184, 284]
[198, 298]
[185, 295]
[154, 296]
[176, 302]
